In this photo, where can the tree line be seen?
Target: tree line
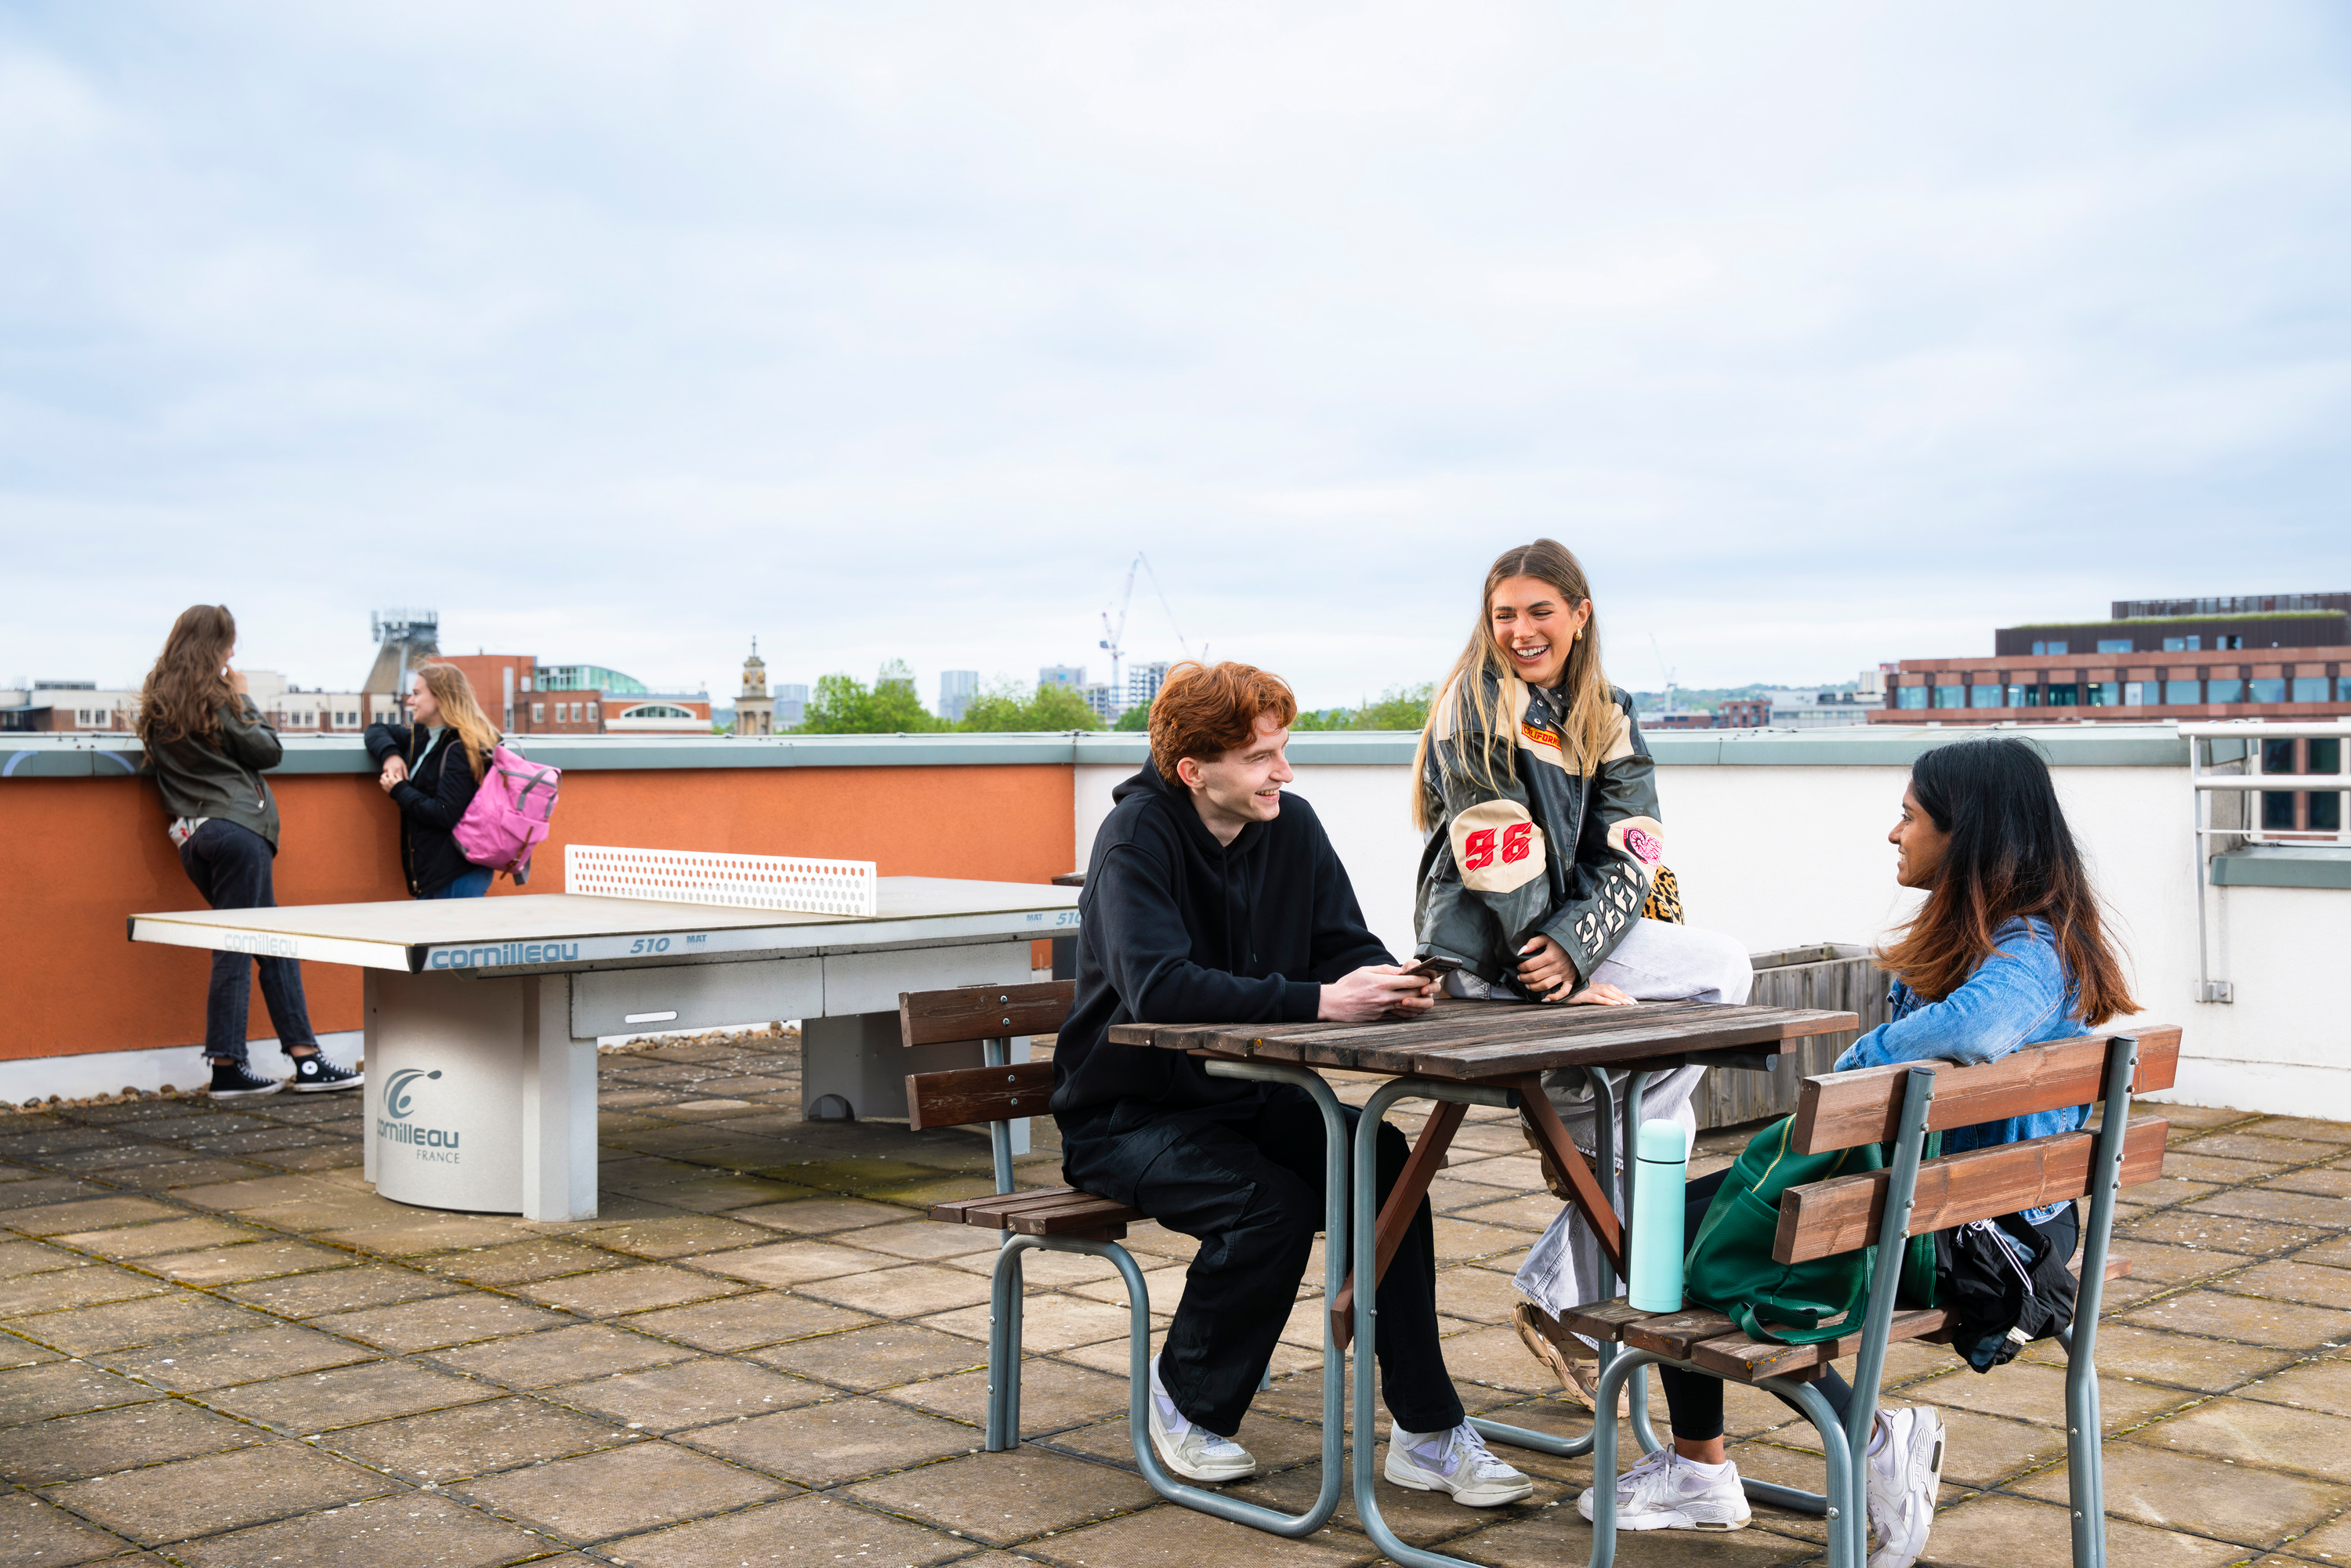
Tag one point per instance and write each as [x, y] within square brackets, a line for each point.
[843, 704]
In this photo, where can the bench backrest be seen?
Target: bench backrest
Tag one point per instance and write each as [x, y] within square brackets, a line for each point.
[1844, 1110]
[1001, 1091]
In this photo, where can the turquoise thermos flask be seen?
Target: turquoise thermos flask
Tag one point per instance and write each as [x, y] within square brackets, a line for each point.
[1660, 1168]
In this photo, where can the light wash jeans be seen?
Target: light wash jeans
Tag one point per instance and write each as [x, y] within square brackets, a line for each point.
[1656, 962]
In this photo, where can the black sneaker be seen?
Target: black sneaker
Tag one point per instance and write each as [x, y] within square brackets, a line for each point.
[314, 1074]
[234, 1081]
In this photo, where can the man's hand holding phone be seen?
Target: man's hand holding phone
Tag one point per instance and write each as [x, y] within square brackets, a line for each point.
[1376, 990]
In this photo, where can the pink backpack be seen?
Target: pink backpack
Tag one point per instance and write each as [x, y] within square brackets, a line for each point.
[509, 816]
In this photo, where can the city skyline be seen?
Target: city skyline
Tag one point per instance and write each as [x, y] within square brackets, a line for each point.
[1827, 337]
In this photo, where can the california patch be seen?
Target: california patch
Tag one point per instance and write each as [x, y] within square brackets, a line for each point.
[1496, 847]
[1640, 839]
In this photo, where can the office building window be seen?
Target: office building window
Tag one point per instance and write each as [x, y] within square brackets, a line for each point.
[591, 712]
[2325, 813]
[2326, 809]
[2343, 688]
[2104, 694]
[2310, 688]
[2063, 695]
[1948, 696]
[2182, 645]
[538, 713]
[2114, 644]
[2024, 696]
[2135, 693]
[2229, 643]
[2277, 810]
[2224, 691]
[1909, 696]
[2268, 690]
[2049, 648]
[2178, 692]
[1984, 697]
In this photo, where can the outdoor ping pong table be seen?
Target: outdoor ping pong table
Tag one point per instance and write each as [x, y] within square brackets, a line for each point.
[483, 1014]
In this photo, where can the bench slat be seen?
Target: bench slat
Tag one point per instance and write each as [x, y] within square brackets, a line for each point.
[1842, 1215]
[1683, 1336]
[984, 1012]
[1844, 1110]
[1041, 1211]
[962, 1096]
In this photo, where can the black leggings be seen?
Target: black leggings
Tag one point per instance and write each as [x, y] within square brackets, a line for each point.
[1694, 1399]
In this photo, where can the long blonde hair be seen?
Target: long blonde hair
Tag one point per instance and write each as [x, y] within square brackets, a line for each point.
[1475, 692]
[183, 693]
[460, 712]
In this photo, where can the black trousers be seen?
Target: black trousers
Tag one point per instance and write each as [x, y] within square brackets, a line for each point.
[1249, 1186]
[230, 866]
[1694, 1399]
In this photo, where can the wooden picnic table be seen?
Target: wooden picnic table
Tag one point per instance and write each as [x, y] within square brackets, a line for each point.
[1507, 1046]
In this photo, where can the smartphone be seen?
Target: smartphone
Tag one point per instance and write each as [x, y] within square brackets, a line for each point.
[1432, 967]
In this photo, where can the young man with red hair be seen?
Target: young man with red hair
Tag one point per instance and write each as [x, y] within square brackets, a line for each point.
[1213, 896]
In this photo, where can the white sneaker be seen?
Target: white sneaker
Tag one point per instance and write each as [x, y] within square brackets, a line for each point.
[1456, 1461]
[1666, 1491]
[1905, 1476]
[1193, 1452]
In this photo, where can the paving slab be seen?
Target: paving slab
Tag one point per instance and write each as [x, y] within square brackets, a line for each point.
[690, 1393]
[63, 1387]
[340, 1290]
[250, 1260]
[621, 1491]
[217, 1361]
[2192, 1493]
[349, 1395]
[743, 1322]
[1006, 1498]
[200, 1497]
[413, 1529]
[119, 1325]
[634, 1289]
[69, 1447]
[442, 1445]
[561, 1355]
[838, 1440]
[788, 1534]
[884, 1356]
[37, 1534]
[442, 1320]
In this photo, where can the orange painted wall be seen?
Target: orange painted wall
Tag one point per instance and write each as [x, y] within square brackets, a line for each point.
[78, 855]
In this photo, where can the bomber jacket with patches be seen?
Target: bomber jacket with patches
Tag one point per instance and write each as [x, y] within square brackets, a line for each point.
[1543, 850]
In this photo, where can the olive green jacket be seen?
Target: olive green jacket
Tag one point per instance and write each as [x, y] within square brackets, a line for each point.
[221, 778]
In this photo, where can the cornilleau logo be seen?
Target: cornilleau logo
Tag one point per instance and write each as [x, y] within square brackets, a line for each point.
[396, 1102]
[399, 1102]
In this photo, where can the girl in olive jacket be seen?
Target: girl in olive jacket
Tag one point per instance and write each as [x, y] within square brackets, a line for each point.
[1544, 844]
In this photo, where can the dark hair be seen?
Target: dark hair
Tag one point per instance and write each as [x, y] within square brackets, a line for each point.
[2011, 855]
[183, 693]
[1203, 711]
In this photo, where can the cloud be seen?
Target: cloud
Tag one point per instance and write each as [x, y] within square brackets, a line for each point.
[621, 333]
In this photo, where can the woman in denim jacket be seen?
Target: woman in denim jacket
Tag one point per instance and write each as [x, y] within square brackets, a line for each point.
[2009, 950]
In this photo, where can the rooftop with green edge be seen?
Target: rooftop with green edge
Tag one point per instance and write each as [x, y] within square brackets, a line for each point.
[221, 1348]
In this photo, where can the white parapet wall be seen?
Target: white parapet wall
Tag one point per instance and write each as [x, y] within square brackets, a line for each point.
[1778, 838]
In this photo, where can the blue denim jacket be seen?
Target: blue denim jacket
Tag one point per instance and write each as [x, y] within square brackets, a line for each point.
[2020, 996]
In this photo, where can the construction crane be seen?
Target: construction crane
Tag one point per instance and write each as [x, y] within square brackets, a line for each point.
[1114, 636]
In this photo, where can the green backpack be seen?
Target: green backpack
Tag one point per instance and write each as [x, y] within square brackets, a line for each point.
[1730, 1267]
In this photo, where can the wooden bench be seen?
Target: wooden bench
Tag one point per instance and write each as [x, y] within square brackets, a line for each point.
[1059, 1218]
[1914, 1196]
[1063, 1219]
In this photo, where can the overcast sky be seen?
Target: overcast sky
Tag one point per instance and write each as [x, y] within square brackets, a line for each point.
[1824, 334]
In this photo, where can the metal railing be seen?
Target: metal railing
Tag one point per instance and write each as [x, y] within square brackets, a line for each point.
[2228, 765]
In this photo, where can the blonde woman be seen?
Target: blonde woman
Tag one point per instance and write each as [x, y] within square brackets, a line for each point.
[207, 747]
[1538, 798]
[430, 769]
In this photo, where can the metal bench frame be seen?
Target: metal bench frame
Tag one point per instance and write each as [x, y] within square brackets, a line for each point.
[1006, 1293]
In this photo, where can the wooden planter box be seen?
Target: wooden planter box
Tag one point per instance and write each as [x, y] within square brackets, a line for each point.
[1831, 974]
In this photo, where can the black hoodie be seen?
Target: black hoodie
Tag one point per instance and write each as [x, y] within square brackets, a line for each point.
[1178, 928]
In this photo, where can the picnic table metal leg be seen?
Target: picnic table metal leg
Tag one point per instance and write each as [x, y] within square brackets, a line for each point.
[1003, 1353]
[1363, 1192]
[2085, 1427]
[1402, 1207]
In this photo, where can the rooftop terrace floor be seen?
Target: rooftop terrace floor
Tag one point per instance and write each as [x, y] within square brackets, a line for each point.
[217, 1347]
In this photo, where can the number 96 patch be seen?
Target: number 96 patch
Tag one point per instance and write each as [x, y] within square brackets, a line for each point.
[1497, 846]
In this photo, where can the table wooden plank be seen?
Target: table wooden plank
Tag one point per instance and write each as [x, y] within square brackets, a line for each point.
[1623, 1047]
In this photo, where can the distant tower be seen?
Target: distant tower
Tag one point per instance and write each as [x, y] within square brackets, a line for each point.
[956, 690]
[404, 639]
[755, 712]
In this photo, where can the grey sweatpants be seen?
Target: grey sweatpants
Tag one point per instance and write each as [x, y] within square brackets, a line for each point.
[1656, 962]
